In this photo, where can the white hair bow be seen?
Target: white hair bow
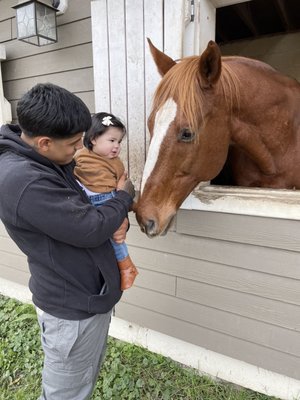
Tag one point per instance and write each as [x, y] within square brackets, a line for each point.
[107, 121]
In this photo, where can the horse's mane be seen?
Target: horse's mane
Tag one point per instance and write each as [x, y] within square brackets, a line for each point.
[182, 83]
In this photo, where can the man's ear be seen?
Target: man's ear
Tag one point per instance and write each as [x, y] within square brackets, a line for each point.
[42, 143]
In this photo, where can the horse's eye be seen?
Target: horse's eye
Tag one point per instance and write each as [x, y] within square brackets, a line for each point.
[186, 136]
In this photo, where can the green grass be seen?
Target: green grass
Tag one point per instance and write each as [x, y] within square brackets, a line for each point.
[129, 372]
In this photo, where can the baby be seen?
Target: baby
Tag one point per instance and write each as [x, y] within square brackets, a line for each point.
[98, 170]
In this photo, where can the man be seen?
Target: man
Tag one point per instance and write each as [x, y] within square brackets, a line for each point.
[74, 280]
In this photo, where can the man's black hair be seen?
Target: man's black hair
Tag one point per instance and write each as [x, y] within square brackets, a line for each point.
[99, 126]
[50, 110]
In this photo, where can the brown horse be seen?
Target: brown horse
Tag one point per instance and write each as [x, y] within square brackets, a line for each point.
[210, 110]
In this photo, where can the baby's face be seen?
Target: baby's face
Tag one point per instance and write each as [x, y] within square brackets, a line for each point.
[109, 143]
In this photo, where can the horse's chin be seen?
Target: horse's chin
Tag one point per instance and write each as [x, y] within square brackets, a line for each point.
[168, 226]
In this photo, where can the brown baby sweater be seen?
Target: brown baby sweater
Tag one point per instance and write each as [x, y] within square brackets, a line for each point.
[98, 174]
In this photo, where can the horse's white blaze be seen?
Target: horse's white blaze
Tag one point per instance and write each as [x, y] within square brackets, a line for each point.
[165, 115]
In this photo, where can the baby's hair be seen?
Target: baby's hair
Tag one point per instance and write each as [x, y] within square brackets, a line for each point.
[101, 122]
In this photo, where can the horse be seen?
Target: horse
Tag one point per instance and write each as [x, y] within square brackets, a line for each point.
[209, 112]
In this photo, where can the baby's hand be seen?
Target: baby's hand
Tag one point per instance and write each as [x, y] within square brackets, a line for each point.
[126, 185]
[121, 183]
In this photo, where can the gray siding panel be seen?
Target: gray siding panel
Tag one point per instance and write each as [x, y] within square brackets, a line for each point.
[5, 30]
[231, 297]
[77, 9]
[241, 229]
[255, 307]
[88, 99]
[239, 349]
[6, 244]
[79, 80]
[15, 275]
[14, 261]
[206, 316]
[222, 275]
[72, 58]
[6, 10]
[157, 282]
[273, 261]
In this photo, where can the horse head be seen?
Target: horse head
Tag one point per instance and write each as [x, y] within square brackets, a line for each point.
[209, 111]
[189, 135]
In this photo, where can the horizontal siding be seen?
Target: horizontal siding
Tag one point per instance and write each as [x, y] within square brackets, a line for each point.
[176, 248]
[13, 263]
[88, 99]
[255, 307]
[156, 281]
[5, 30]
[221, 343]
[79, 80]
[6, 9]
[259, 230]
[261, 296]
[241, 299]
[2, 230]
[77, 9]
[221, 275]
[9, 246]
[67, 59]
[260, 332]
[15, 275]
[13, 260]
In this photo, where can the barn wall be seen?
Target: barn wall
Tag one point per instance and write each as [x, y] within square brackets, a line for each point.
[68, 63]
[228, 283]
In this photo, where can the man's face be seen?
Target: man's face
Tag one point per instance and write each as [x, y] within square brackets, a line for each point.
[61, 151]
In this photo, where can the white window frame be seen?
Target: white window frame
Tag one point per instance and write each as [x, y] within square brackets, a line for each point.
[272, 203]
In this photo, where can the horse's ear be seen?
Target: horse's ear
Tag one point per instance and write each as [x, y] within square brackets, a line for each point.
[162, 61]
[210, 65]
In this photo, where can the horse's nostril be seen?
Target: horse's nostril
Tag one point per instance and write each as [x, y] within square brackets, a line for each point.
[150, 226]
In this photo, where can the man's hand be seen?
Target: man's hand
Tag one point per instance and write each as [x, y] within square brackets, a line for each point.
[120, 235]
[126, 185]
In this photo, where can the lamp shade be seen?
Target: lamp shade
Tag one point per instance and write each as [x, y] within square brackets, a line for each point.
[36, 23]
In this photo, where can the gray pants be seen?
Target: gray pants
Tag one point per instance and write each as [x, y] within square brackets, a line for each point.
[74, 351]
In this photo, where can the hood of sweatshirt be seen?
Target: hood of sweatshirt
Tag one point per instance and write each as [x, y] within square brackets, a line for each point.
[10, 140]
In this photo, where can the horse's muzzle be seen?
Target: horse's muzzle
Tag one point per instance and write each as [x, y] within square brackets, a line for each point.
[152, 227]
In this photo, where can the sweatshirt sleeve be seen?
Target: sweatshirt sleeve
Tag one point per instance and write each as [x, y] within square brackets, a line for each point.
[60, 212]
